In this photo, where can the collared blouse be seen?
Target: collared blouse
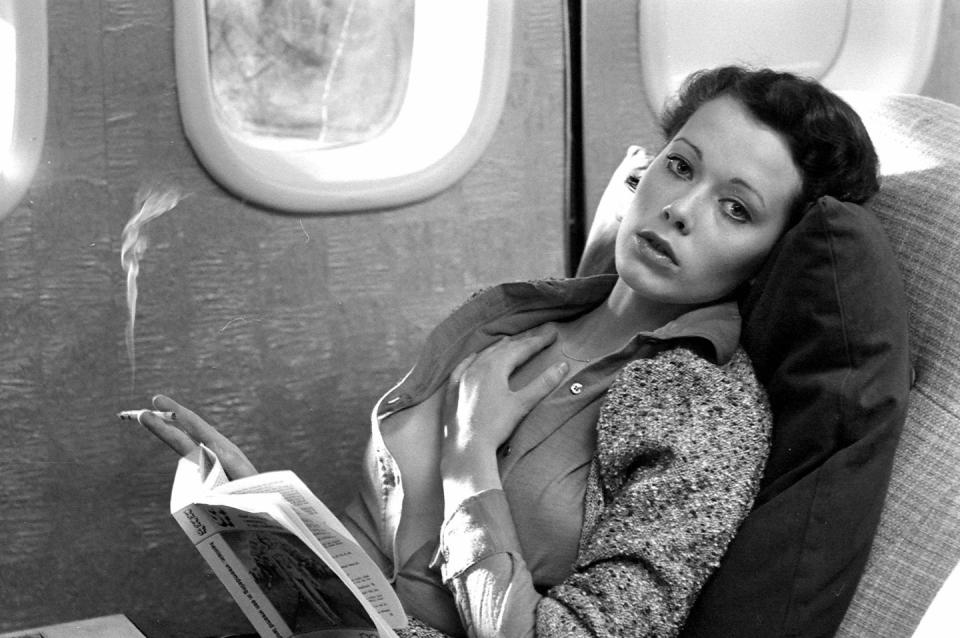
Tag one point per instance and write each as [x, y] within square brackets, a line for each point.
[539, 515]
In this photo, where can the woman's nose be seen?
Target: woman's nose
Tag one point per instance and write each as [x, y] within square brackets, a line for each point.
[679, 216]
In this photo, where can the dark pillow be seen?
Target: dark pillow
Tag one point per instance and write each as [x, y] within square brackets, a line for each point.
[825, 324]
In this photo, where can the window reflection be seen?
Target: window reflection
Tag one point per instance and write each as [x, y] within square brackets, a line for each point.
[331, 71]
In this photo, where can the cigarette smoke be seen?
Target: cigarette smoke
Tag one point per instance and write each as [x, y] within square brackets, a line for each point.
[152, 202]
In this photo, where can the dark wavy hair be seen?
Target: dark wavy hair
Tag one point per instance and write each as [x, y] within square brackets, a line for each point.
[827, 139]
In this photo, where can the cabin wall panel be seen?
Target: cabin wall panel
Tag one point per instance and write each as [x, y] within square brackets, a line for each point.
[281, 329]
[615, 110]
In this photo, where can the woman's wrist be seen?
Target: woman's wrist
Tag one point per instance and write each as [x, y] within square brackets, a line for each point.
[466, 471]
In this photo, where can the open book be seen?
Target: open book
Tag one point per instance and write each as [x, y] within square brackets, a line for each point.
[292, 567]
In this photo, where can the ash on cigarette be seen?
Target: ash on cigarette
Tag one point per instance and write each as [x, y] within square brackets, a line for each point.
[150, 203]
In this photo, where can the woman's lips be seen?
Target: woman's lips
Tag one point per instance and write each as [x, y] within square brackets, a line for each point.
[657, 247]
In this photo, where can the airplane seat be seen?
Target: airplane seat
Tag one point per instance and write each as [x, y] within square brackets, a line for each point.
[917, 542]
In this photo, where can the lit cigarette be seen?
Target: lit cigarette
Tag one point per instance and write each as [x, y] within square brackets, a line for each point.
[134, 415]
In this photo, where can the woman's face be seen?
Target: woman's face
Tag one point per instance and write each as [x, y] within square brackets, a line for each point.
[708, 209]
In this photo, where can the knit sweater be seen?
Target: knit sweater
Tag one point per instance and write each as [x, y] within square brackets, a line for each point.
[681, 445]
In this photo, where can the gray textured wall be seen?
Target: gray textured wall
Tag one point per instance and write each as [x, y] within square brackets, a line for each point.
[281, 329]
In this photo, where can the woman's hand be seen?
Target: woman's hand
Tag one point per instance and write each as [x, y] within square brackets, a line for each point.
[487, 409]
[482, 411]
[188, 430]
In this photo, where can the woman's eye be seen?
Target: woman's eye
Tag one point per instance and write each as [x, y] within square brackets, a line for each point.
[632, 181]
[735, 210]
[679, 166]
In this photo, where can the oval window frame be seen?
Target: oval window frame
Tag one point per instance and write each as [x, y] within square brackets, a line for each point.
[371, 175]
[29, 113]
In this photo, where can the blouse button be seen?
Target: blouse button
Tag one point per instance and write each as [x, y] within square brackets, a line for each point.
[576, 388]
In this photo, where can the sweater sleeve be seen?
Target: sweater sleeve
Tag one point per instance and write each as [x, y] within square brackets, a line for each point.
[681, 448]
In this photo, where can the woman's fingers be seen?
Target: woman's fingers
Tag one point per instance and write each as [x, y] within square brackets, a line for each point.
[449, 408]
[539, 388]
[504, 357]
[170, 434]
[522, 349]
[515, 351]
[234, 461]
[195, 429]
[463, 365]
[188, 421]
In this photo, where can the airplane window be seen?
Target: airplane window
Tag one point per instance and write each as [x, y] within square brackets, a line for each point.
[329, 71]
[320, 106]
[23, 96]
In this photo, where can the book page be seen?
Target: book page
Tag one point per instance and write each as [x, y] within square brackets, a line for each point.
[279, 502]
[331, 533]
[212, 473]
[284, 581]
[293, 490]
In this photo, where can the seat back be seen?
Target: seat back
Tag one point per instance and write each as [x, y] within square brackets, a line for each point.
[918, 539]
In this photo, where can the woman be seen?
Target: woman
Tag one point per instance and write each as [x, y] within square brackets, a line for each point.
[573, 457]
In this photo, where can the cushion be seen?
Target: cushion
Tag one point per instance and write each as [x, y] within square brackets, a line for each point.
[598, 253]
[825, 324]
